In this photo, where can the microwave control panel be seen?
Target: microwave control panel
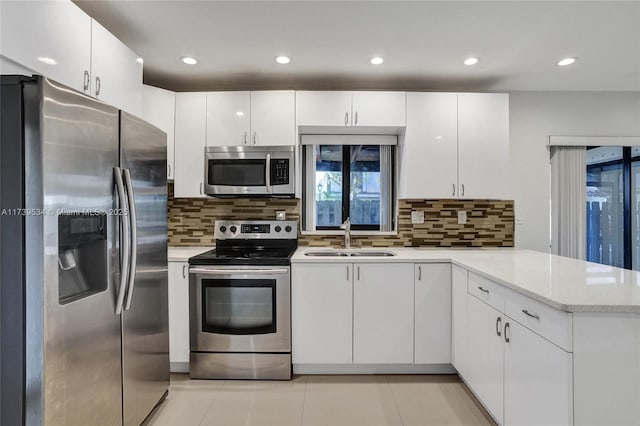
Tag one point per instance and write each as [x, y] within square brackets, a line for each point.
[280, 171]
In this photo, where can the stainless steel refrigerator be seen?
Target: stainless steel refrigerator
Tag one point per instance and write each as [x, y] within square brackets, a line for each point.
[83, 259]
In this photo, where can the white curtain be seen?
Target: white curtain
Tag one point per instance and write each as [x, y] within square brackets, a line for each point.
[568, 201]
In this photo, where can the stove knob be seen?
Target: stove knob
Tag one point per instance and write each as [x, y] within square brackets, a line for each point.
[233, 229]
[223, 229]
[278, 228]
[287, 228]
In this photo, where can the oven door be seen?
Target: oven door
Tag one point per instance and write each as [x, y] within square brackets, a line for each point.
[240, 309]
[249, 171]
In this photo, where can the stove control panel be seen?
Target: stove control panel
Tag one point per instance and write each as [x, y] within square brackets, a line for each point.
[256, 229]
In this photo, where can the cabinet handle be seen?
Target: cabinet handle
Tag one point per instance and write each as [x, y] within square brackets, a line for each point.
[346, 118]
[356, 118]
[201, 193]
[87, 80]
[454, 190]
[524, 311]
[506, 336]
[254, 138]
[244, 138]
[463, 189]
[358, 273]
[419, 273]
[97, 86]
[484, 290]
[184, 267]
[169, 169]
[498, 322]
[347, 272]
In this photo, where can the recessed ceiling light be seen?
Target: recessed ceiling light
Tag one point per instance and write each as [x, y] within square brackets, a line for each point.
[189, 60]
[566, 61]
[283, 60]
[140, 60]
[48, 61]
[376, 60]
[471, 61]
[240, 113]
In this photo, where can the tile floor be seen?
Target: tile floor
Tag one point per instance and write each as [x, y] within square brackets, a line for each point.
[421, 400]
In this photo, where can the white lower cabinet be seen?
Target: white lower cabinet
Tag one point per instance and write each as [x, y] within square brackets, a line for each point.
[383, 313]
[537, 379]
[321, 313]
[179, 317]
[459, 319]
[432, 343]
[485, 361]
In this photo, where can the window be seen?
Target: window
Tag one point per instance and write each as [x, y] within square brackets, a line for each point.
[348, 181]
[613, 194]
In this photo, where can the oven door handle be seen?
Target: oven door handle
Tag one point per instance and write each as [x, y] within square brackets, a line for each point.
[238, 271]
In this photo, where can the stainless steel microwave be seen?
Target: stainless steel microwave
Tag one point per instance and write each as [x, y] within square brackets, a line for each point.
[249, 171]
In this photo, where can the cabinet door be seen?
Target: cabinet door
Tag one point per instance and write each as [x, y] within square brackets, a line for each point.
[379, 109]
[459, 319]
[321, 313]
[483, 145]
[273, 117]
[178, 314]
[432, 343]
[57, 30]
[190, 134]
[323, 108]
[383, 313]
[159, 109]
[228, 118]
[429, 167]
[485, 359]
[116, 74]
[537, 380]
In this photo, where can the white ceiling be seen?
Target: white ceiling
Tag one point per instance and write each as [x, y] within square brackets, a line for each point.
[423, 43]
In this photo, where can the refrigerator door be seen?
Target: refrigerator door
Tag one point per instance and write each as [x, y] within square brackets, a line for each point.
[71, 258]
[145, 323]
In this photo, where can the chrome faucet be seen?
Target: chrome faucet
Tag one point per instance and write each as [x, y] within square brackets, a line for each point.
[347, 233]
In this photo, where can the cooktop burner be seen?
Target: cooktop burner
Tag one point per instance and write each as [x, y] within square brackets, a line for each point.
[251, 243]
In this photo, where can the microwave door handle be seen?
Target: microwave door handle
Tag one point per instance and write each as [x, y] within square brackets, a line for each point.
[134, 237]
[268, 173]
[124, 269]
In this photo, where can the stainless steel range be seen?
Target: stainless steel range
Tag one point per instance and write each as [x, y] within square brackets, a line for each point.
[240, 302]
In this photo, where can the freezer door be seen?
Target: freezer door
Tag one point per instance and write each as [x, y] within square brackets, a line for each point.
[71, 261]
[145, 324]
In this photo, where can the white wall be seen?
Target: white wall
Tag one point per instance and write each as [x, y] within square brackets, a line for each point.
[536, 115]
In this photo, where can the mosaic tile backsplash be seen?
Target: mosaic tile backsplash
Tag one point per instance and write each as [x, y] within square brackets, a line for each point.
[490, 223]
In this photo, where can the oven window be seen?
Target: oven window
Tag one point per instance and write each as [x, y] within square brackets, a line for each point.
[237, 172]
[239, 306]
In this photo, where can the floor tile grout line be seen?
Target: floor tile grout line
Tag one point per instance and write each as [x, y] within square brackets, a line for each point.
[304, 398]
[213, 400]
[395, 400]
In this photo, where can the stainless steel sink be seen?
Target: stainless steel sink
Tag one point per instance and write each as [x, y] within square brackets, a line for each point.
[362, 253]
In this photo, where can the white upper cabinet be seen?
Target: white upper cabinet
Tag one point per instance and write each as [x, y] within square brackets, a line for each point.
[456, 146]
[364, 109]
[251, 118]
[429, 165]
[379, 109]
[190, 135]
[483, 145]
[228, 118]
[54, 30]
[159, 109]
[273, 117]
[116, 74]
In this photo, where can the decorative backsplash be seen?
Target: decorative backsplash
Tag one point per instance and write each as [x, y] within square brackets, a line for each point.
[490, 223]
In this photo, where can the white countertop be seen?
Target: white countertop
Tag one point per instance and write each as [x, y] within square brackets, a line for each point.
[182, 254]
[562, 283]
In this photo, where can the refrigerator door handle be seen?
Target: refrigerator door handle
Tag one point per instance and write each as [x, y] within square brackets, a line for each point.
[134, 238]
[126, 246]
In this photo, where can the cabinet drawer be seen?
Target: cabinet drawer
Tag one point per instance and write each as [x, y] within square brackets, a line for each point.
[486, 290]
[552, 324]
